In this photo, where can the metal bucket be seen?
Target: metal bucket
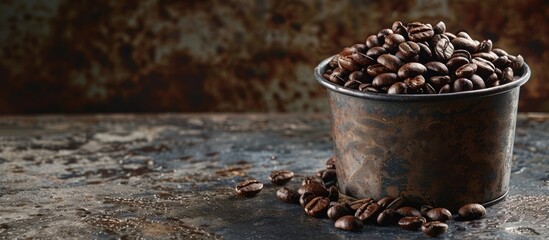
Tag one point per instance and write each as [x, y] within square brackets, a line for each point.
[443, 150]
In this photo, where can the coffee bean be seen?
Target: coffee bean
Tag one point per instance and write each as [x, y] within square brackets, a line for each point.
[383, 33]
[517, 64]
[507, 75]
[376, 69]
[349, 223]
[339, 210]
[288, 195]
[408, 50]
[391, 62]
[373, 41]
[502, 62]
[281, 177]
[415, 83]
[450, 35]
[393, 40]
[500, 52]
[249, 188]
[466, 70]
[385, 79]
[317, 207]
[433, 229]
[436, 69]
[387, 217]
[311, 179]
[333, 63]
[384, 202]
[411, 223]
[464, 43]
[445, 89]
[463, 34]
[485, 46]
[490, 56]
[429, 89]
[306, 198]
[373, 89]
[362, 59]
[456, 62]
[443, 49]
[346, 52]
[329, 177]
[314, 188]
[397, 203]
[339, 76]
[368, 212]
[471, 211]
[333, 193]
[358, 76]
[399, 28]
[439, 214]
[484, 67]
[439, 28]
[462, 53]
[478, 82]
[362, 87]
[408, 212]
[358, 203]
[352, 84]
[330, 163]
[425, 53]
[411, 69]
[424, 209]
[420, 33]
[397, 88]
[440, 80]
[347, 63]
[462, 84]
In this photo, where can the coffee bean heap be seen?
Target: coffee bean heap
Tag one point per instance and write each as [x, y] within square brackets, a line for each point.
[319, 197]
[419, 58]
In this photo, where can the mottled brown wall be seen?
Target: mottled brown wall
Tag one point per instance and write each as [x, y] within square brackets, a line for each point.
[159, 55]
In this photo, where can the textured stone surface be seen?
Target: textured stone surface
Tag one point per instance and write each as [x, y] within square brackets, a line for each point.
[163, 176]
[156, 55]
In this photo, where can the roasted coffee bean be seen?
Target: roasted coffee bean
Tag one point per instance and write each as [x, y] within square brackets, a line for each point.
[333, 193]
[333, 63]
[329, 177]
[397, 203]
[314, 188]
[471, 211]
[362, 59]
[463, 34]
[429, 89]
[376, 69]
[445, 89]
[346, 52]
[424, 209]
[500, 52]
[359, 47]
[436, 68]
[391, 62]
[373, 89]
[439, 214]
[317, 207]
[411, 223]
[288, 195]
[440, 80]
[352, 84]
[368, 212]
[339, 76]
[478, 82]
[349, 223]
[249, 188]
[339, 210]
[433, 229]
[373, 41]
[466, 70]
[517, 64]
[305, 198]
[462, 53]
[464, 43]
[311, 179]
[415, 83]
[397, 88]
[387, 217]
[281, 177]
[490, 56]
[358, 76]
[443, 49]
[356, 204]
[456, 62]
[485, 46]
[330, 163]
[439, 28]
[408, 50]
[408, 212]
[425, 53]
[382, 34]
[450, 35]
[411, 69]
[484, 67]
[502, 62]
[462, 84]
[384, 202]
[385, 79]
[399, 28]
[362, 87]
[507, 75]
[420, 33]
[347, 63]
[414, 24]
[392, 41]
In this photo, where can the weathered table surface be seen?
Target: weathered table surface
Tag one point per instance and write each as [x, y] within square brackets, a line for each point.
[173, 176]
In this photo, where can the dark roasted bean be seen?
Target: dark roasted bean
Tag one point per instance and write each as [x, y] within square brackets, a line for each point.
[440, 80]
[329, 177]
[373, 41]
[288, 195]
[376, 69]
[409, 49]
[436, 68]
[333, 193]
[464, 43]
[383, 33]
[391, 62]
[439, 214]
[339, 210]
[317, 207]
[368, 212]
[484, 67]
[507, 75]
[249, 188]
[349, 223]
[411, 69]
[306, 198]
[397, 203]
[463, 34]
[424, 209]
[347, 63]
[466, 70]
[485, 46]
[393, 40]
[490, 56]
[450, 35]
[456, 62]
[356, 204]
[429, 89]
[445, 89]
[399, 28]
[478, 82]
[471, 211]
[330, 163]
[397, 88]
[358, 76]
[492, 79]
[439, 28]
[385, 79]
[281, 177]
[420, 33]
[362, 87]
[311, 179]
[387, 217]
[411, 223]
[339, 76]
[462, 53]
[502, 62]
[425, 52]
[384, 202]
[461, 85]
[362, 59]
[443, 48]
[500, 52]
[517, 64]
[314, 188]
[352, 84]
[408, 212]
[433, 229]
[415, 83]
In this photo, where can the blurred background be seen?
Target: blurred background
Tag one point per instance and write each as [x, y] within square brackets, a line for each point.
[63, 56]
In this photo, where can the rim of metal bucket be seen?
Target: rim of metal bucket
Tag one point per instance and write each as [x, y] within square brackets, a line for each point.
[418, 97]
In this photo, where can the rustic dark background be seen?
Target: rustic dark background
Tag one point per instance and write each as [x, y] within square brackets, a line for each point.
[158, 55]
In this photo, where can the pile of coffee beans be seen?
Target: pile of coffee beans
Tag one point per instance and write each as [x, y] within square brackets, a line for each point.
[320, 198]
[418, 58]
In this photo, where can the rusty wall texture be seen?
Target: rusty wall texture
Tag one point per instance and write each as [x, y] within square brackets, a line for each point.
[159, 55]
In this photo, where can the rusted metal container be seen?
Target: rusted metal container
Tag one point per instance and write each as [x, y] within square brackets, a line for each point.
[443, 150]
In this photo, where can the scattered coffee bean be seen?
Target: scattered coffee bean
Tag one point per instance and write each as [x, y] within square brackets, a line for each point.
[281, 177]
[249, 188]
[411, 223]
[317, 207]
[424, 209]
[368, 212]
[435, 228]
[306, 198]
[311, 179]
[314, 188]
[439, 214]
[333, 193]
[387, 217]
[339, 210]
[349, 223]
[288, 195]
[408, 212]
[355, 205]
[397, 203]
[471, 211]
[329, 177]
[384, 202]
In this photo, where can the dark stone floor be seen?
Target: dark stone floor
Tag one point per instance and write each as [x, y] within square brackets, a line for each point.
[172, 176]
